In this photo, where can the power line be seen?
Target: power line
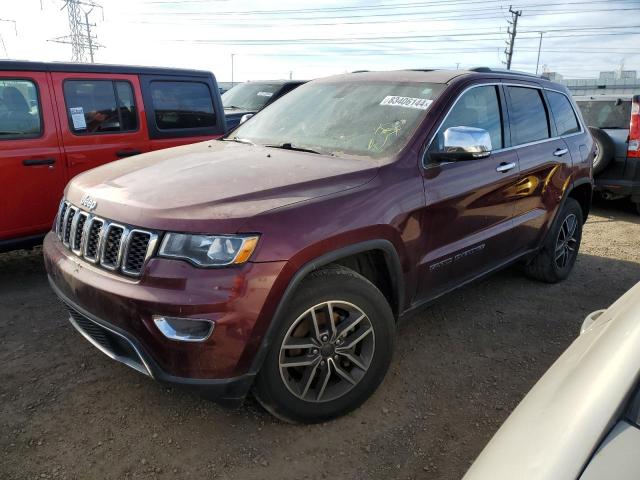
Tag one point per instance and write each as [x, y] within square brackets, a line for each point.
[374, 7]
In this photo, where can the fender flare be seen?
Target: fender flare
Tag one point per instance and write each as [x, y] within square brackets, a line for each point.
[392, 260]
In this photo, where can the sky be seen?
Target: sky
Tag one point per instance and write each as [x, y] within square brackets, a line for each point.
[303, 40]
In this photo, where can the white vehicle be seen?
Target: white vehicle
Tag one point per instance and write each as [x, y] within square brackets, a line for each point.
[582, 419]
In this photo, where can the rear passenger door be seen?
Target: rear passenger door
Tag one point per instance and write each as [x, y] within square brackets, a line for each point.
[545, 163]
[99, 117]
[181, 110]
[32, 174]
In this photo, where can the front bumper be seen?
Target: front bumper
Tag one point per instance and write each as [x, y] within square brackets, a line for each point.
[115, 314]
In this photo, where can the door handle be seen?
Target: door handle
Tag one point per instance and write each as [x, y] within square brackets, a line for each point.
[561, 151]
[505, 167]
[32, 162]
[127, 153]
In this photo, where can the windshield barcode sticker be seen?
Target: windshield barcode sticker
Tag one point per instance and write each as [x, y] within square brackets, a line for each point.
[264, 94]
[407, 102]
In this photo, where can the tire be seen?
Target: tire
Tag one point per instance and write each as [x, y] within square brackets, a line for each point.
[281, 389]
[605, 150]
[547, 266]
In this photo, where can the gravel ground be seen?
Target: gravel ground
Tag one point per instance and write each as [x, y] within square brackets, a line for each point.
[461, 366]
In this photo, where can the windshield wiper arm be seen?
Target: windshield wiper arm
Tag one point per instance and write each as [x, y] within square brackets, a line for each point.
[289, 146]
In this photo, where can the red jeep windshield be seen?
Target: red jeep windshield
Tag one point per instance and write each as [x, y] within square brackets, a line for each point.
[372, 119]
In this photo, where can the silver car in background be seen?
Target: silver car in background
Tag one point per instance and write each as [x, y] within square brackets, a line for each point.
[582, 419]
[614, 123]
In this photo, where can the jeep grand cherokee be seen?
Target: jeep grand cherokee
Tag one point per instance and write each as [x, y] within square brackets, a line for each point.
[279, 259]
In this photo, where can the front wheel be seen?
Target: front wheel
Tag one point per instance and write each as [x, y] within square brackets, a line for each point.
[555, 259]
[331, 352]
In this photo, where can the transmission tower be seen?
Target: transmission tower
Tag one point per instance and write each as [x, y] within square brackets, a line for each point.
[511, 31]
[83, 42]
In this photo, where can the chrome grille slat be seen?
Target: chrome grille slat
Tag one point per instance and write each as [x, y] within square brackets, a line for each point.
[110, 245]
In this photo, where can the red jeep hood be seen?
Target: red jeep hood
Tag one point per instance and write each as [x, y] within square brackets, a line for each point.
[212, 184]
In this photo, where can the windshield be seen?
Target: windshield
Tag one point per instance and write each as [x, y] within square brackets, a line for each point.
[250, 96]
[372, 119]
[606, 113]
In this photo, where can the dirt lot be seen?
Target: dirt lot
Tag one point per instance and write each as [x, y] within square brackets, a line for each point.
[461, 365]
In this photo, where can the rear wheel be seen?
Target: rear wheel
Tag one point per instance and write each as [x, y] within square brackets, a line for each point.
[332, 351]
[555, 259]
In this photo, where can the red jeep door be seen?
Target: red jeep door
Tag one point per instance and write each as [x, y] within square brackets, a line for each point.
[31, 170]
[100, 118]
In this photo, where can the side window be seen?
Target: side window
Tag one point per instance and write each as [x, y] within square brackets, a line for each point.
[479, 108]
[527, 115]
[100, 106]
[179, 105]
[19, 110]
[563, 114]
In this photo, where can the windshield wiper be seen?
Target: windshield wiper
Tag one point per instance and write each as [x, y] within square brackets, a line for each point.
[239, 140]
[235, 107]
[290, 146]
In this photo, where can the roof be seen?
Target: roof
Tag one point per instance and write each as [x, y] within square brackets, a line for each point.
[23, 65]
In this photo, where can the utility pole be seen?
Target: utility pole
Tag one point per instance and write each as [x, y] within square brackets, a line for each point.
[539, 49]
[80, 38]
[511, 31]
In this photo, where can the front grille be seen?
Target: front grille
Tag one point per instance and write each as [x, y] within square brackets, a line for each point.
[111, 250]
[136, 251]
[68, 222]
[92, 241]
[77, 231]
[98, 240]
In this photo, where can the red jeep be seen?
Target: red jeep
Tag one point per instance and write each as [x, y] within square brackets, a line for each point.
[58, 120]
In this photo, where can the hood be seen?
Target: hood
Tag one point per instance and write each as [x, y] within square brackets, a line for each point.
[214, 184]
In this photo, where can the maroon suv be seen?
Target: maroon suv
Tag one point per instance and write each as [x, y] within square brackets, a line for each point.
[280, 258]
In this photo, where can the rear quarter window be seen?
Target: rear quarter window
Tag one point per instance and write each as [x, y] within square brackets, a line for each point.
[606, 113]
[181, 105]
[563, 114]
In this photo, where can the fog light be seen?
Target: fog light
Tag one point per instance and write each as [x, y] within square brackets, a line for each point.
[184, 329]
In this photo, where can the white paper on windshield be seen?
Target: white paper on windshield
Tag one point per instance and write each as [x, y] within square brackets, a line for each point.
[264, 94]
[407, 102]
[77, 118]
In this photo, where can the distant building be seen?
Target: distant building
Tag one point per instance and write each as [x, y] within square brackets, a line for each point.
[614, 82]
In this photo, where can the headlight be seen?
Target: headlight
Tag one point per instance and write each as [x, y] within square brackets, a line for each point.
[209, 250]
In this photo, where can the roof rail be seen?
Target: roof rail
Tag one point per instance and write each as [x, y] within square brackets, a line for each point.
[503, 71]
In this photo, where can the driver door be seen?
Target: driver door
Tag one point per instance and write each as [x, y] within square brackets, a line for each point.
[468, 216]
[99, 118]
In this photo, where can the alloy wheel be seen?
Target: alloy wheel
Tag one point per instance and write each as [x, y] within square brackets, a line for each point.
[566, 242]
[326, 351]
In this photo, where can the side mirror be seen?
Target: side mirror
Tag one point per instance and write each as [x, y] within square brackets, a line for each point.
[246, 117]
[464, 143]
[590, 320]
